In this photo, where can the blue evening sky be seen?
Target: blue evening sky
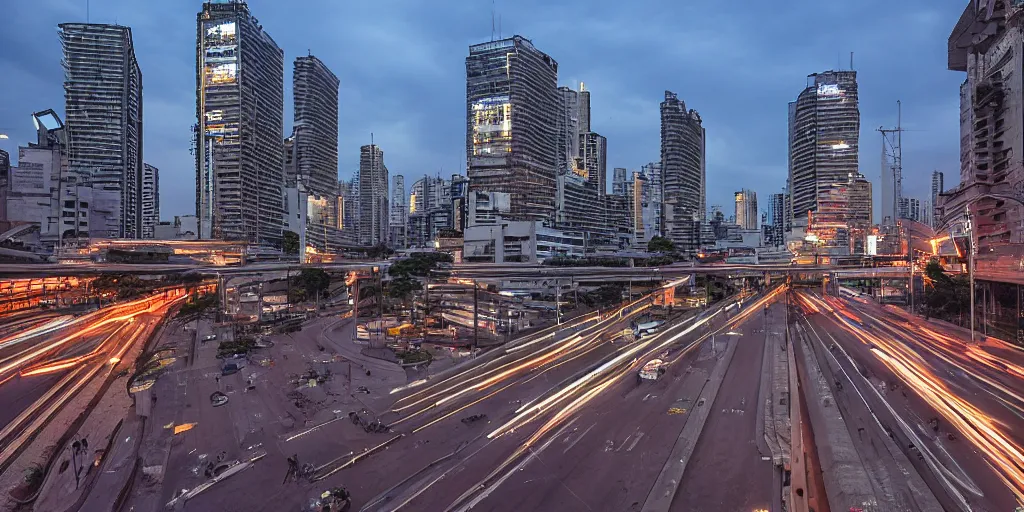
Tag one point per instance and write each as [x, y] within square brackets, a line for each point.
[402, 69]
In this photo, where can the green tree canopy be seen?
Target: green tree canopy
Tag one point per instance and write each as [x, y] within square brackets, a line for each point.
[290, 245]
[660, 244]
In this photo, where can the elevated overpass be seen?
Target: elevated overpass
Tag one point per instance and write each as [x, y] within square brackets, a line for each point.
[90, 268]
[498, 271]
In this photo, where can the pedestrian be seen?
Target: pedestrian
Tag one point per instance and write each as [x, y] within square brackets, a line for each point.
[217, 378]
[293, 468]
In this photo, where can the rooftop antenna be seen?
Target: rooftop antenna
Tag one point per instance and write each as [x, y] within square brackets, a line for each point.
[87, 11]
[499, 27]
[492, 20]
[851, 61]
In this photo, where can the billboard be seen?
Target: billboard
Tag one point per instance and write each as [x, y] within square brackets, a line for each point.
[492, 126]
[872, 248]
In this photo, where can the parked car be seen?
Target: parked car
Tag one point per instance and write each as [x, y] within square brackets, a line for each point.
[229, 368]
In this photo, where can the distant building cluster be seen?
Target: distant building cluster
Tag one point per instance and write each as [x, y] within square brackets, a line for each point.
[537, 183]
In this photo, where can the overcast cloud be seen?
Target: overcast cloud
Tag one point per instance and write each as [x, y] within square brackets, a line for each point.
[402, 70]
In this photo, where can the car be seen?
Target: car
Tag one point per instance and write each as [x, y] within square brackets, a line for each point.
[209, 337]
[218, 399]
[229, 369]
[474, 418]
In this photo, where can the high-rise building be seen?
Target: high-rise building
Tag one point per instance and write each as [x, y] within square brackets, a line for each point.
[594, 156]
[399, 215]
[985, 44]
[506, 79]
[150, 200]
[683, 173]
[460, 202]
[619, 180]
[746, 209]
[861, 214]
[910, 209]
[103, 109]
[432, 207]
[774, 229]
[348, 209]
[567, 130]
[240, 115]
[652, 171]
[584, 104]
[373, 196]
[315, 151]
[824, 138]
[937, 188]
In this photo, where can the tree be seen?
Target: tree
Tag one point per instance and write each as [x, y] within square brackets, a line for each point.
[660, 244]
[945, 297]
[380, 250]
[313, 281]
[290, 244]
[418, 265]
[401, 288]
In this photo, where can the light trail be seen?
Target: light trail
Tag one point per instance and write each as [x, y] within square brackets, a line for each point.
[983, 431]
[46, 328]
[145, 305]
[63, 364]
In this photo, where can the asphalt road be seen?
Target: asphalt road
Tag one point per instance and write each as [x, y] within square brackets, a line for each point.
[727, 471]
[906, 379]
[603, 455]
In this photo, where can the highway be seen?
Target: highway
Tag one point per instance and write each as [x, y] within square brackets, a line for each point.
[44, 368]
[952, 410]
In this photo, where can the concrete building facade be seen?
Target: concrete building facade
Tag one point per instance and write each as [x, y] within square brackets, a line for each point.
[512, 104]
[150, 200]
[103, 113]
[746, 209]
[938, 183]
[240, 121]
[683, 173]
[399, 214]
[373, 196]
[315, 131]
[825, 139]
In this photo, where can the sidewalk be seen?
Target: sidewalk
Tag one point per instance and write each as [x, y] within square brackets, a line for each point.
[102, 428]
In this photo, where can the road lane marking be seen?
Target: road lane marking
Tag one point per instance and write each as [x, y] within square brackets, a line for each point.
[624, 443]
[635, 441]
[578, 439]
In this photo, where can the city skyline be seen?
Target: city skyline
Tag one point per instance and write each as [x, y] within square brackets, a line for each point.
[625, 108]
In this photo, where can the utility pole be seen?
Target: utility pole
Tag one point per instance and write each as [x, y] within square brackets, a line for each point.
[558, 302]
[910, 261]
[476, 317]
[893, 137]
[970, 267]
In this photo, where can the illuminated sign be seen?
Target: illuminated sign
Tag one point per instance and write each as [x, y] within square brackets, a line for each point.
[829, 90]
[492, 125]
[221, 74]
[872, 245]
[221, 31]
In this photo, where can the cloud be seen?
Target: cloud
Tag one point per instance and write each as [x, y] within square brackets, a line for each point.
[402, 69]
